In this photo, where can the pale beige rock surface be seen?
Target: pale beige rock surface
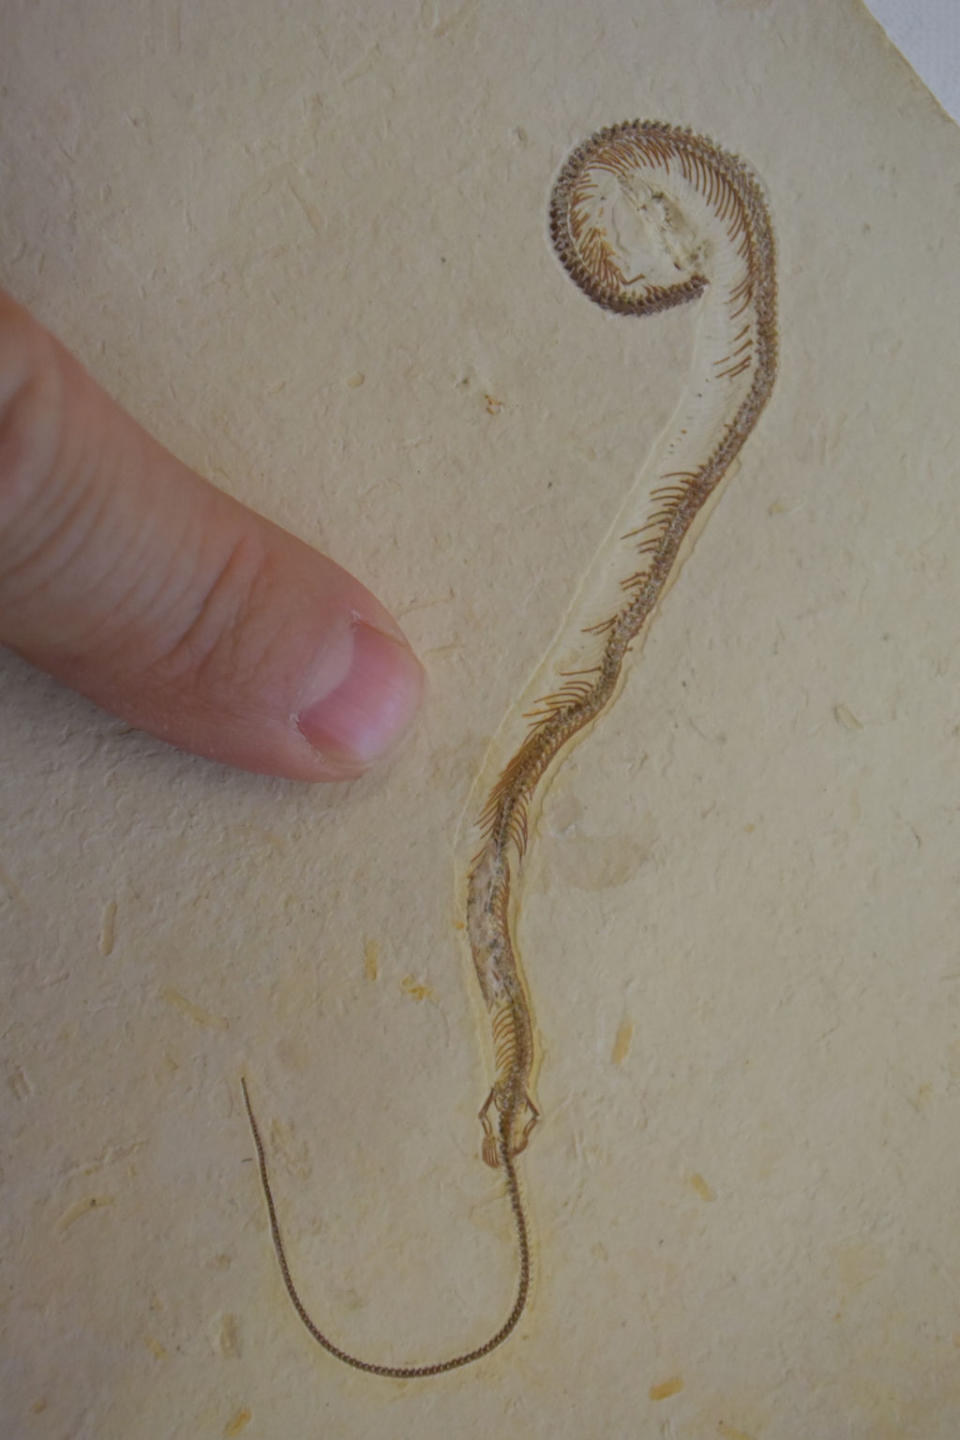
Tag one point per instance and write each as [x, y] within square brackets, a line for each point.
[741, 916]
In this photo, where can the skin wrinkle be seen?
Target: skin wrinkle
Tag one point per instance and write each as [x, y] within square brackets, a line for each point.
[25, 502]
[64, 518]
[209, 638]
[21, 378]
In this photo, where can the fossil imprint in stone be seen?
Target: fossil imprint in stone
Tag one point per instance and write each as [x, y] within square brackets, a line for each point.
[643, 216]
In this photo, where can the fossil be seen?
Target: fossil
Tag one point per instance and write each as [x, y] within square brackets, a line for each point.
[643, 216]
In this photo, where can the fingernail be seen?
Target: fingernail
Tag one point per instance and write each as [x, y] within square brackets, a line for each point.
[368, 711]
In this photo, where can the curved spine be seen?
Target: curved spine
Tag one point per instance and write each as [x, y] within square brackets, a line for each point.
[702, 230]
[659, 174]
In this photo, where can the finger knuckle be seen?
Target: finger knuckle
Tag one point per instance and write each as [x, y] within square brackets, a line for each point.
[218, 642]
[29, 435]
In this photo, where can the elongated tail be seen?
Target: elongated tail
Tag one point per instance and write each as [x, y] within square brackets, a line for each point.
[402, 1372]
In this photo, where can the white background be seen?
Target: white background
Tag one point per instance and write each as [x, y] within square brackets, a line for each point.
[928, 34]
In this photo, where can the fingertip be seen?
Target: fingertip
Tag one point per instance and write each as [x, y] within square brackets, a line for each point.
[361, 718]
